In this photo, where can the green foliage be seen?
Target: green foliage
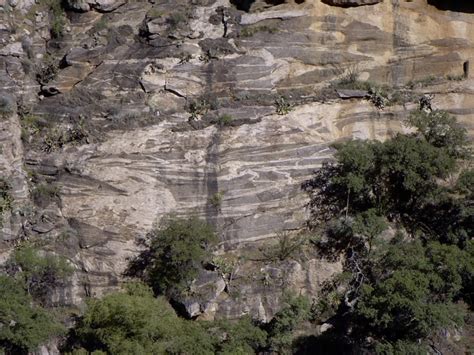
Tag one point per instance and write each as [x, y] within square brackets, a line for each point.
[23, 326]
[286, 247]
[225, 120]
[135, 322]
[400, 348]
[455, 77]
[441, 130]
[369, 225]
[101, 24]
[128, 323]
[401, 291]
[216, 199]
[237, 337]
[423, 82]
[40, 274]
[177, 251]
[296, 309]
[176, 19]
[43, 194]
[29, 126]
[198, 108]
[57, 17]
[5, 198]
[282, 106]
[249, 31]
[394, 177]
[401, 306]
[7, 104]
[465, 183]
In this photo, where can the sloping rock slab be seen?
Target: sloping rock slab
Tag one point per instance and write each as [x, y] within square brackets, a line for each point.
[352, 94]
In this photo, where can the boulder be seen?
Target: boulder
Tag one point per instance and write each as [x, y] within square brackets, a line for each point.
[78, 5]
[106, 5]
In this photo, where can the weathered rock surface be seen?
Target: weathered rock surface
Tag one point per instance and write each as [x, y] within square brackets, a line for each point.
[121, 115]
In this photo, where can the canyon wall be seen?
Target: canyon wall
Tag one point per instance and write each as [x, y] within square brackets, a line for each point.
[136, 110]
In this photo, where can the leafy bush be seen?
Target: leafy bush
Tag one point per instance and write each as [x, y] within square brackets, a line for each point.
[177, 250]
[249, 31]
[23, 326]
[7, 104]
[29, 126]
[296, 309]
[216, 199]
[128, 322]
[40, 274]
[286, 247]
[237, 337]
[394, 177]
[282, 106]
[57, 17]
[43, 194]
[5, 198]
[135, 322]
[441, 130]
[465, 183]
[225, 120]
[405, 289]
[198, 107]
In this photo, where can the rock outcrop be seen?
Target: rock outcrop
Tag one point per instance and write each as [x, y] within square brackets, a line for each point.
[123, 114]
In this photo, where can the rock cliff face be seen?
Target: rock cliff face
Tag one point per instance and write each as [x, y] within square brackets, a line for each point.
[125, 111]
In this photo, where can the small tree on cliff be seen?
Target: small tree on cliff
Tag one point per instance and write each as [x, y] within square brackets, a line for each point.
[177, 250]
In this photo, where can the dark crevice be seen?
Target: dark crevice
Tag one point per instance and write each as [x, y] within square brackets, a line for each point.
[275, 2]
[242, 5]
[453, 5]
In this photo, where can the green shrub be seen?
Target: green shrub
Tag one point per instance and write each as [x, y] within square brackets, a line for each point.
[401, 347]
[286, 247]
[455, 77]
[225, 120]
[198, 107]
[29, 126]
[7, 104]
[426, 81]
[57, 17]
[43, 194]
[237, 337]
[128, 322]
[249, 31]
[41, 274]
[6, 199]
[283, 107]
[178, 248]
[440, 129]
[23, 325]
[101, 24]
[295, 310]
[135, 322]
[465, 183]
[216, 199]
[409, 286]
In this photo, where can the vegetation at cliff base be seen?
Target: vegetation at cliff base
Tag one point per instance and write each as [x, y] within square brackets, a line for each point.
[405, 286]
[398, 214]
[136, 322]
[175, 253]
[25, 289]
